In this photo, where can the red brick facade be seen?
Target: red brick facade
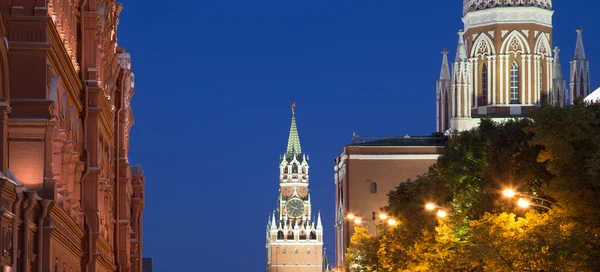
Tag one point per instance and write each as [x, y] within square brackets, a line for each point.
[367, 171]
[70, 200]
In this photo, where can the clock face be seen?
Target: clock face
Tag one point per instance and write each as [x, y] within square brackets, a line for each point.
[294, 208]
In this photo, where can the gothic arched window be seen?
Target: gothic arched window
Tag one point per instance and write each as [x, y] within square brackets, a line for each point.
[373, 187]
[484, 86]
[294, 169]
[514, 84]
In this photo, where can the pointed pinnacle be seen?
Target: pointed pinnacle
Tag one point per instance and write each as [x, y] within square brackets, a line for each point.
[293, 146]
[557, 67]
[445, 71]
[461, 50]
[579, 49]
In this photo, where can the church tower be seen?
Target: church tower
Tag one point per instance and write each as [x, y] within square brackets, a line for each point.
[294, 239]
[559, 86]
[443, 95]
[504, 63]
[580, 70]
[462, 86]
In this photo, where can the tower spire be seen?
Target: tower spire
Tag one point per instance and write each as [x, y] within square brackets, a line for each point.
[579, 50]
[461, 50]
[559, 83]
[273, 223]
[293, 147]
[580, 71]
[557, 69]
[319, 225]
[442, 93]
[445, 72]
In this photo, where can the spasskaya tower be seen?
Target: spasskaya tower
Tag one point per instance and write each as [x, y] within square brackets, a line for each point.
[294, 239]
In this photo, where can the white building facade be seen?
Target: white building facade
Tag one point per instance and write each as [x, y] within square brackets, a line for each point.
[504, 65]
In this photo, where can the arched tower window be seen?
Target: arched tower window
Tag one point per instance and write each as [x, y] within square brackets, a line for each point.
[373, 187]
[294, 169]
[484, 86]
[514, 84]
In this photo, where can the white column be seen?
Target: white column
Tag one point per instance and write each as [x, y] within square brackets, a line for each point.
[475, 82]
[494, 75]
[453, 98]
[438, 107]
[470, 96]
[489, 80]
[550, 73]
[522, 79]
[459, 98]
[507, 77]
[501, 79]
[529, 79]
[536, 81]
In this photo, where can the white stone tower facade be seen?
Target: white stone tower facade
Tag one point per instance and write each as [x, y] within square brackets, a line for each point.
[504, 66]
[294, 239]
[504, 63]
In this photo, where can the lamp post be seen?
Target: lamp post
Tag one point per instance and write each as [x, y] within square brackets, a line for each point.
[525, 199]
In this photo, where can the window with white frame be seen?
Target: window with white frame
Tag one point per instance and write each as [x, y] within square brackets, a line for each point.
[514, 84]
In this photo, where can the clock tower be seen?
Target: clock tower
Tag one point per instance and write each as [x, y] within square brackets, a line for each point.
[294, 239]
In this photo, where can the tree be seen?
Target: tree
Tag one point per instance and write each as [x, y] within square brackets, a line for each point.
[362, 253]
[555, 155]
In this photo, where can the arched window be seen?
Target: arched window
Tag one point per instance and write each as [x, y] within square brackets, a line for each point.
[373, 187]
[484, 86]
[294, 169]
[514, 84]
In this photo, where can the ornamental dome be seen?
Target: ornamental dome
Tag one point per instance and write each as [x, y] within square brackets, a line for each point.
[473, 5]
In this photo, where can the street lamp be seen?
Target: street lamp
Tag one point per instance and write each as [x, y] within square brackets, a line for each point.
[384, 217]
[441, 213]
[523, 203]
[525, 199]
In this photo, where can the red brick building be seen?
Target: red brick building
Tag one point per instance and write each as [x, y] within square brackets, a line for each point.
[367, 170]
[70, 199]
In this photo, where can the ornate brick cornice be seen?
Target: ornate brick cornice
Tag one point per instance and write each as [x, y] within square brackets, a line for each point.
[473, 5]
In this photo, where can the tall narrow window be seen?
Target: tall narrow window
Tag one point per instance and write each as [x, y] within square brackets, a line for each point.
[484, 85]
[514, 84]
[540, 79]
[541, 90]
[64, 105]
[373, 187]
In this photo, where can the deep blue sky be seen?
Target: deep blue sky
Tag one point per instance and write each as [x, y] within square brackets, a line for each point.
[214, 84]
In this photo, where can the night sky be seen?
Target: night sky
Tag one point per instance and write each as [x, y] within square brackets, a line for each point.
[214, 83]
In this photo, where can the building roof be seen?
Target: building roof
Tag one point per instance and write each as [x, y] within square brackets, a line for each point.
[593, 97]
[434, 140]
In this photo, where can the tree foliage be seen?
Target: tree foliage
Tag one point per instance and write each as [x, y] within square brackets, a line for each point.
[554, 155]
